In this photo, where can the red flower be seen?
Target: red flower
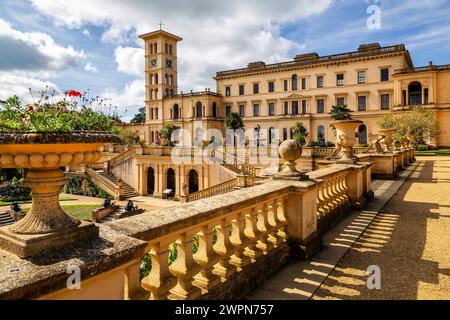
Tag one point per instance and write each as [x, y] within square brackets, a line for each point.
[73, 93]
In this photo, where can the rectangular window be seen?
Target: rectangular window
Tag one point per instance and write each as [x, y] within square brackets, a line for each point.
[286, 108]
[303, 83]
[361, 77]
[384, 102]
[271, 109]
[340, 101]
[304, 106]
[241, 90]
[227, 110]
[340, 79]
[285, 85]
[320, 105]
[271, 86]
[384, 74]
[241, 110]
[294, 107]
[228, 91]
[255, 88]
[319, 82]
[256, 110]
[362, 103]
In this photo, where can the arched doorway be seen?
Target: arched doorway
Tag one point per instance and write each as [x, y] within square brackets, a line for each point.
[415, 93]
[193, 181]
[176, 111]
[150, 181]
[321, 133]
[271, 135]
[362, 133]
[171, 183]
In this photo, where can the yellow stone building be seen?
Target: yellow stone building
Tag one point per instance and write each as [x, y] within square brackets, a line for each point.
[372, 81]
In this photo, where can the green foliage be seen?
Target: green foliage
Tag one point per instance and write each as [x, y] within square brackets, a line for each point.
[420, 122]
[62, 116]
[233, 121]
[139, 117]
[73, 186]
[421, 147]
[299, 133]
[166, 133]
[95, 191]
[128, 137]
[361, 145]
[14, 192]
[340, 112]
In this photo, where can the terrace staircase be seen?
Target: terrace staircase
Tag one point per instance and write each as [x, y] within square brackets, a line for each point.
[5, 219]
[111, 184]
[129, 192]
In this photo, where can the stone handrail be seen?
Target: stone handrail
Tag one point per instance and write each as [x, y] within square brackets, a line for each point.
[212, 191]
[322, 152]
[236, 163]
[110, 187]
[121, 157]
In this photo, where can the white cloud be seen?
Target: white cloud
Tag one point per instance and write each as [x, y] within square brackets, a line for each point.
[90, 68]
[217, 35]
[87, 33]
[130, 98]
[15, 84]
[130, 60]
[34, 51]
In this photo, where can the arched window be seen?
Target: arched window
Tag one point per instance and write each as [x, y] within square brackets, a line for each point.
[321, 133]
[150, 181]
[176, 111]
[256, 136]
[193, 181]
[362, 133]
[271, 135]
[199, 109]
[214, 110]
[285, 134]
[294, 82]
[415, 93]
[156, 78]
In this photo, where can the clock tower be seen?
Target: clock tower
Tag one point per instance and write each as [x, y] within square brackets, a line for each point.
[160, 71]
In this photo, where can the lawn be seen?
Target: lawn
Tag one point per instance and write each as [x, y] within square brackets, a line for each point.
[439, 152]
[61, 198]
[79, 211]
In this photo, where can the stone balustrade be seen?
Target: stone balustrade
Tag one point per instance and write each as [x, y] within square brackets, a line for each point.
[220, 247]
[107, 185]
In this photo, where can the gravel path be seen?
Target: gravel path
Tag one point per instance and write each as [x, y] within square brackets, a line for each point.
[409, 240]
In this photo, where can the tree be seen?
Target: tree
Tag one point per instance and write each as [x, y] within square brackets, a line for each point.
[299, 133]
[340, 112]
[420, 122]
[166, 133]
[139, 117]
[233, 121]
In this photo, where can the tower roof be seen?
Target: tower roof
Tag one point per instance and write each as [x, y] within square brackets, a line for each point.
[159, 33]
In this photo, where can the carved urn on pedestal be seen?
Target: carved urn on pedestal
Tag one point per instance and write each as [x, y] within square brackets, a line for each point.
[46, 226]
[346, 138]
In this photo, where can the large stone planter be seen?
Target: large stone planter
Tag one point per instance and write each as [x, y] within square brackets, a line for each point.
[47, 226]
[346, 138]
[387, 133]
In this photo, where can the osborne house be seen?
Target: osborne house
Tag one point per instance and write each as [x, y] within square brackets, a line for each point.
[372, 81]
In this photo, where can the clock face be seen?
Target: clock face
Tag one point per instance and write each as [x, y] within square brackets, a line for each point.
[153, 62]
[168, 63]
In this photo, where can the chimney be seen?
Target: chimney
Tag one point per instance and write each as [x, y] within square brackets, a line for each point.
[430, 63]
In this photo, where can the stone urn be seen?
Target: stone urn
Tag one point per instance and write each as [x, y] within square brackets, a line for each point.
[411, 138]
[290, 151]
[404, 142]
[387, 133]
[346, 138]
[46, 225]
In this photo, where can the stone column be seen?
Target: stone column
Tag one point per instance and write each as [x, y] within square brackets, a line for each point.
[355, 183]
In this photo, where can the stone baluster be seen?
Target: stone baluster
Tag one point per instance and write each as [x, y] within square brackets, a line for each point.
[334, 192]
[225, 249]
[206, 257]
[252, 233]
[275, 224]
[160, 280]
[321, 202]
[282, 217]
[239, 240]
[184, 268]
[263, 226]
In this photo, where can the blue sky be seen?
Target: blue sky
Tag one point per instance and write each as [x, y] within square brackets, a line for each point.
[93, 44]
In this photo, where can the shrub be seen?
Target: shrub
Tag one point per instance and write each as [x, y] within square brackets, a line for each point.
[74, 185]
[11, 192]
[361, 145]
[322, 144]
[421, 147]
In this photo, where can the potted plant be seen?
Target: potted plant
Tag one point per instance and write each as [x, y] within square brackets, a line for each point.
[43, 138]
[345, 127]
